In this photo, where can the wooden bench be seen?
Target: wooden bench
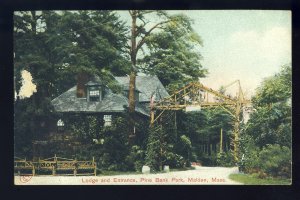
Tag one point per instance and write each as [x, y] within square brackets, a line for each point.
[56, 164]
[48, 165]
[87, 165]
[22, 164]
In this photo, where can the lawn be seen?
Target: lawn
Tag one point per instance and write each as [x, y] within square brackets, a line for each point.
[251, 180]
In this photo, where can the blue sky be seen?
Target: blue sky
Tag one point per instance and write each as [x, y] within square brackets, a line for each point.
[248, 45]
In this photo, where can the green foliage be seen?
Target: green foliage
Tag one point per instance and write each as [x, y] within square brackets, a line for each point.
[160, 150]
[277, 88]
[186, 142]
[115, 147]
[185, 145]
[174, 64]
[136, 158]
[225, 159]
[203, 128]
[276, 160]
[209, 160]
[30, 123]
[272, 160]
[86, 128]
[156, 148]
[172, 52]
[217, 119]
[266, 141]
[174, 160]
[271, 123]
[111, 153]
[250, 152]
[65, 43]
[90, 41]
[252, 180]
[54, 47]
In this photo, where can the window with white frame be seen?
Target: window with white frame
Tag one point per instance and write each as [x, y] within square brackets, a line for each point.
[94, 94]
[107, 120]
[60, 125]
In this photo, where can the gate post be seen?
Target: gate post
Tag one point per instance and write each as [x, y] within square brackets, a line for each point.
[95, 166]
[75, 167]
[53, 170]
[236, 131]
[151, 117]
[55, 165]
[33, 170]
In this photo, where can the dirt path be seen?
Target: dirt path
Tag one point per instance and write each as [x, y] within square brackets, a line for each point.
[199, 176]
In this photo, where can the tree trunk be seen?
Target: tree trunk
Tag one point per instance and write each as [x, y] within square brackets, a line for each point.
[132, 74]
[33, 22]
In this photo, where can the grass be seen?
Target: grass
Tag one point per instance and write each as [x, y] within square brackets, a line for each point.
[251, 180]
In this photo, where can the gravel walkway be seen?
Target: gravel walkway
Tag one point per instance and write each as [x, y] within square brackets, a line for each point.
[199, 176]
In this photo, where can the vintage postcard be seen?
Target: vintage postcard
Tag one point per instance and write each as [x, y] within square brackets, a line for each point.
[144, 97]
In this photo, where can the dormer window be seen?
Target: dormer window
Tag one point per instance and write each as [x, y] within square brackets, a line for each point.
[95, 90]
[94, 93]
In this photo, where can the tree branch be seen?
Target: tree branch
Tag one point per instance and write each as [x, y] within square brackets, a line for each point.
[142, 41]
[144, 23]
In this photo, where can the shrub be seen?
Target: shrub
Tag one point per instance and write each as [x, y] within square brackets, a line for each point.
[251, 154]
[272, 160]
[225, 159]
[208, 160]
[135, 160]
[276, 160]
[174, 160]
[157, 148]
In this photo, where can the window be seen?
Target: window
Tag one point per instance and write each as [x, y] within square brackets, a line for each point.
[94, 94]
[107, 120]
[60, 125]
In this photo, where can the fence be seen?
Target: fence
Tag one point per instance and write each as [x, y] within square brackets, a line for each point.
[23, 164]
[56, 165]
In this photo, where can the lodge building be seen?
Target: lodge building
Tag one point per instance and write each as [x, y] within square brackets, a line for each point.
[90, 96]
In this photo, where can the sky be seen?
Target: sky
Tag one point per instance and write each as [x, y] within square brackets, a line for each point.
[245, 45]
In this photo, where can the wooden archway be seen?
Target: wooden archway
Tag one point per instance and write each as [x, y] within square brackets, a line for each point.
[195, 96]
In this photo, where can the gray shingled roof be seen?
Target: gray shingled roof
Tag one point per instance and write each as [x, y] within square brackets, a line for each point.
[146, 85]
[68, 101]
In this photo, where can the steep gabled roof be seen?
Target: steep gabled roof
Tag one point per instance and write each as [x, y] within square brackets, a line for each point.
[68, 102]
[146, 85]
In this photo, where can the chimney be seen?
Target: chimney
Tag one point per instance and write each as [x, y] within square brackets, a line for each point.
[82, 79]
